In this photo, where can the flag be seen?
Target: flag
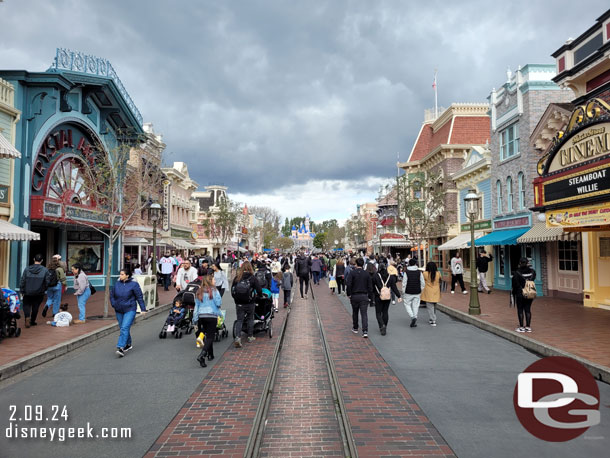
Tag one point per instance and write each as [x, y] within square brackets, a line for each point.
[434, 83]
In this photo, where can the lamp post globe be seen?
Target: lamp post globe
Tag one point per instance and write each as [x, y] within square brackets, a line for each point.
[471, 205]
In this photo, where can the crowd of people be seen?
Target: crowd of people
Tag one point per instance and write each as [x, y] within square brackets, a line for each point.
[368, 281]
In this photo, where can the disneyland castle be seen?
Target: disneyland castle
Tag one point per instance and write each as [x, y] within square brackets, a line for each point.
[301, 236]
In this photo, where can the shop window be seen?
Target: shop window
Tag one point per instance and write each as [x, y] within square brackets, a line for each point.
[501, 255]
[568, 255]
[509, 142]
[499, 195]
[509, 194]
[604, 247]
[521, 180]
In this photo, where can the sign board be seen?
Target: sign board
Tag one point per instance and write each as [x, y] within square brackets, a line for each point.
[590, 215]
[477, 225]
[588, 183]
[582, 147]
[513, 222]
[4, 194]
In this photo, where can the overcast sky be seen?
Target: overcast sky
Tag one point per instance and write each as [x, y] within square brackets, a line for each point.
[300, 105]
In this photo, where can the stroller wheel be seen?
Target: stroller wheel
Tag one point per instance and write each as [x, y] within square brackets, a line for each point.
[17, 332]
[11, 331]
[161, 335]
[180, 335]
[235, 329]
[270, 330]
[164, 334]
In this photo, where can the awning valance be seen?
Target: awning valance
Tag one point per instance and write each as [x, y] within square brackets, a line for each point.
[9, 231]
[507, 237]
[540, 233]
[459, 242]
[7, 150]
[135, 241]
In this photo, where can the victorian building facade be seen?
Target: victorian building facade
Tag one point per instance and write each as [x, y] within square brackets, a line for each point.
[176, 228]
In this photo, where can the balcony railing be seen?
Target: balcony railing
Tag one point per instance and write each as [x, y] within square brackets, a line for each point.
[7, 93]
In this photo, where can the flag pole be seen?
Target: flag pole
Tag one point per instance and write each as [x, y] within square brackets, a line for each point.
[435, 96]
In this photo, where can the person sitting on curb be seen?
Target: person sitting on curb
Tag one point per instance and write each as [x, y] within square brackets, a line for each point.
[61, 319]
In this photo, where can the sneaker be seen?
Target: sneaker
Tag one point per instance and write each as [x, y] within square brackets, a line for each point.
[127, 348]
[237, 342]
[276, 310]
[393, 302]
[430, 321]
[528, 329]
[464, 292]
[433, 323]
[305, 296]
[120, 352]
[452, 292]
[384, 330]
[413, 322]
[45, 310]
[79, 321]
[49, 322]
[251, 339]
[200, 338]
[365, 335]
[520, 329]
[285, 304]
[489, 291]
[354, 330]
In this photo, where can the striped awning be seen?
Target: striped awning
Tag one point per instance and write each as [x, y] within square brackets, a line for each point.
[7, 150]
[9, 231]
[539, 233]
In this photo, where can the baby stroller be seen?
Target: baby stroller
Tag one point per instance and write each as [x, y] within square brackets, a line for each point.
[221, 328]
[9, 314]
[185, 325]
[263, 315]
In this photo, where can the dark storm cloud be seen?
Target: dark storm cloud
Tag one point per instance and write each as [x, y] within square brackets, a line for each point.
[260, 94]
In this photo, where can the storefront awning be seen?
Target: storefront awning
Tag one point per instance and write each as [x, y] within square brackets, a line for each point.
[135, 241]
[507, 237]
[540, 233]
[459, 242]
[7, 150]
[9, 231]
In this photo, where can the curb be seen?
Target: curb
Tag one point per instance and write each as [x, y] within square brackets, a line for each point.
[598, 371]
[35, 359]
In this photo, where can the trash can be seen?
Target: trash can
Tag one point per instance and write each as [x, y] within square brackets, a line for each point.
[148, 285]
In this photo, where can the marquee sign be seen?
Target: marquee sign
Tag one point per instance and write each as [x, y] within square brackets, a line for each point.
[582, 147]
[589, 182]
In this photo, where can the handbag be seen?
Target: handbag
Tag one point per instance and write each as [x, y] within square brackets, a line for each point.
[92, 289]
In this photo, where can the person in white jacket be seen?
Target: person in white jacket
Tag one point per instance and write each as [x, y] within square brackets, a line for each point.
[413, 283]
[457, 273]
[186, 274]
[61, 319]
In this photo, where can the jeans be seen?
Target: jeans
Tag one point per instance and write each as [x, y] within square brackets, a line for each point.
[287, 296]
[360, 303]
[306, 281]
[31, 305]
[316, 277]
[208, 327]
[457, 278]
[125, 321]
[166, 281]
[242, 311]
[54, 297]
[483, 281]
[82, 301]
[381, 311]
[412, 304]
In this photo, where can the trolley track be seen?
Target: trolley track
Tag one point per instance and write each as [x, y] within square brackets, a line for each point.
[257, 434]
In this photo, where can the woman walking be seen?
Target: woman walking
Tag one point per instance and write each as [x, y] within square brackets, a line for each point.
[124, 298]
[431, 294]
[243, 288]
[384, 285]
[220, 278]
[82, 291]
[207, 310]
[339, 274]
[522, 275]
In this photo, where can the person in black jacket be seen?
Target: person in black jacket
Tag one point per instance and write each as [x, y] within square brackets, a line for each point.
[483, 261]
[523, 273]
[246, 273]
[380, 280]
[34, 282]
[359, 288]
[302, 268]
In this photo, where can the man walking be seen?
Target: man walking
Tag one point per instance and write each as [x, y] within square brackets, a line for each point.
[302, 267]
[186, 274]
[34, 282]
[457, 273]
[166, 266]
[359, 287]
[413, 283]
[483, 261]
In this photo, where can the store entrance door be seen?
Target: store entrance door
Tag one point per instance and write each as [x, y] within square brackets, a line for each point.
[47, 246]
[514, 256]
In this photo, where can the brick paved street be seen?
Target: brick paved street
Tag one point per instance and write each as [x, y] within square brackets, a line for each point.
[561, 323]
[43, 336]
[301, 419]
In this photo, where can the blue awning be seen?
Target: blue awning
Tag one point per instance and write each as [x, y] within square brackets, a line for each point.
[507, 237]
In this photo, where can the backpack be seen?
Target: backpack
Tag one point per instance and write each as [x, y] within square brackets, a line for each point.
[242, 291]
[385, 294]
[53, 280]
[529, 291]
[261, 276]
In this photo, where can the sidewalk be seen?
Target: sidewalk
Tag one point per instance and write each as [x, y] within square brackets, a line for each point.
[563, 324]
[43, 337]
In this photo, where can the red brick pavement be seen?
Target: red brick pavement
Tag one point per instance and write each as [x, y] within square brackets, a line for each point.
[218, 417]
[43, 336]
[385, 420]
[301, 420]
[563, 324]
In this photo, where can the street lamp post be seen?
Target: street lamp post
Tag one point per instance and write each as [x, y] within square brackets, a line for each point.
[471, 202]
[155, 213]
[379, 229]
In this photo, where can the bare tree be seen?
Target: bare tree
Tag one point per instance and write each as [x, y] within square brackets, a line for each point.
[355, 229]
[120, 191]
[221, 222]
[270, 219]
